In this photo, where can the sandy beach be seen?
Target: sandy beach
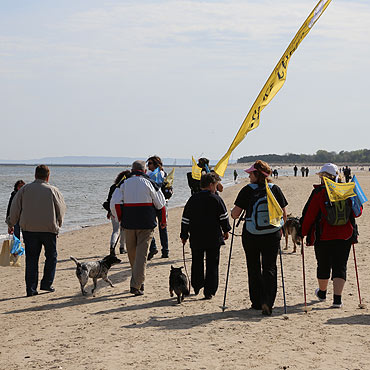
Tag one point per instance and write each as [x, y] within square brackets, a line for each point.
[116, 330]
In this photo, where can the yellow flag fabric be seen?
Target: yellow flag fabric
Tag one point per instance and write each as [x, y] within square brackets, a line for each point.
[275, 211]
[272, 85]
[339, 191]
[196, 171]
[170, 177]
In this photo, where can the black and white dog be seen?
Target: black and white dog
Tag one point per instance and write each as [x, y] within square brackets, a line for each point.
[95, 270]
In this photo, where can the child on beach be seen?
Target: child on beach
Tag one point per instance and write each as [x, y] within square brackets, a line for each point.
[205, 218]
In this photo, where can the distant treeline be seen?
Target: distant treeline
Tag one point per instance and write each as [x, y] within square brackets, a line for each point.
[361, 156]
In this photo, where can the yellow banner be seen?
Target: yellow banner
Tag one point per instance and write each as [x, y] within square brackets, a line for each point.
[170, 177]
[275, 211]
[196, 171]
[272, 85]
[339, 191]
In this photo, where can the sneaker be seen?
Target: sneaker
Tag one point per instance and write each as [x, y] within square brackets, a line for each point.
[337, 305]
[317, 295]
[49, 289]
[136, 291]
[266, 310]
[31, 294]
[151, 254]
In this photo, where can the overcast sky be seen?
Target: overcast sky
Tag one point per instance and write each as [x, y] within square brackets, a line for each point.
[177, 78]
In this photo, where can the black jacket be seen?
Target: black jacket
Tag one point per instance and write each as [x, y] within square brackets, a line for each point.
[205, 218]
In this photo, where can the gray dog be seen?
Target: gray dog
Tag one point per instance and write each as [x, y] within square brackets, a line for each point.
[95, 270]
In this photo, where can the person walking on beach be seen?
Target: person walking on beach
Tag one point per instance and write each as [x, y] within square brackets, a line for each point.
[156, 173]
[39, 208]
[295, 169]
[303, 170]
[347, 173]
[135, 204]
[117, 229]
[307, 171]
[235, 175]
[17, 186]
[261, 241]
[332, 240]
[205, 218]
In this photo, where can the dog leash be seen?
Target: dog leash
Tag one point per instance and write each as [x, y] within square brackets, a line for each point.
[186, 270]
[115, 244]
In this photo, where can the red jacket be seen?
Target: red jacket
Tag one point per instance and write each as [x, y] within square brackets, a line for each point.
[314, 223]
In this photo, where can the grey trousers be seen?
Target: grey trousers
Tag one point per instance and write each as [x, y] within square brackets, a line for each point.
[137, 244]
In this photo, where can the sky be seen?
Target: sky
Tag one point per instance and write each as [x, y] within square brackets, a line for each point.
[176, 78]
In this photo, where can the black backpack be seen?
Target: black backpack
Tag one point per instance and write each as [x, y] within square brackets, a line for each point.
[338, 213]
[167, 190]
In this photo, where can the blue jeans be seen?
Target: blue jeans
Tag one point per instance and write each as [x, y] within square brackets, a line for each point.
[33, 242]
[162, 235]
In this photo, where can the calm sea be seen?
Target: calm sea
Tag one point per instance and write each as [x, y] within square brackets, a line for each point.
[85, 189]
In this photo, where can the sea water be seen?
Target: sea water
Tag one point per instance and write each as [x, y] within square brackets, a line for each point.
[86, 188]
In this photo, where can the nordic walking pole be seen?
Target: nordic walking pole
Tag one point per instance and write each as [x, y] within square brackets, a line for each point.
[304, 279]
[228, 266]
[361, 305]
[282, 279]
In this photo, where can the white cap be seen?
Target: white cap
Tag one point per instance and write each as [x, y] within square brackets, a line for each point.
[330, 168]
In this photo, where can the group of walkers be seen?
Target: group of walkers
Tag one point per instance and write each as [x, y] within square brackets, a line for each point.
[137, 203]
[304, 171]
[205, 219]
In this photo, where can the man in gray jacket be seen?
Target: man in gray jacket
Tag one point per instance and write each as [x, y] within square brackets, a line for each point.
[39, 208]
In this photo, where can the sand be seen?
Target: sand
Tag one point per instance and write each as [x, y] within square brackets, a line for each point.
[115, 330]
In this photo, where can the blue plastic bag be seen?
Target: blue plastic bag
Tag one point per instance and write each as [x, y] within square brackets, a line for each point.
[17, 248]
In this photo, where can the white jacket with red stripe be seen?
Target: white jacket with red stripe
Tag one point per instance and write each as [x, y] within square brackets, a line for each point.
[135, 203]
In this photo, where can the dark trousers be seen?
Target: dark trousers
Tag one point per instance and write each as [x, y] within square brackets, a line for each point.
[209, 280]
[261, 253]
[332, 255]
[33, 242]
[17, 231]
[163, 237]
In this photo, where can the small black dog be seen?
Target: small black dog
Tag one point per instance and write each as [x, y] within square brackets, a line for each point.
[94, 270]
[178, 284]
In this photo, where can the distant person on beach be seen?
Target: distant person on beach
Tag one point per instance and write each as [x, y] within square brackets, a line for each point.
[235, 175]
[295, 169]
[156, 173]
[39, 208]
[275, 173]
[307, 171]
[347, 173]
[332, 239]
[118, 231]
[205, 218]
[303, 170]
[135, 204]
[261, 241]
[17, 186]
